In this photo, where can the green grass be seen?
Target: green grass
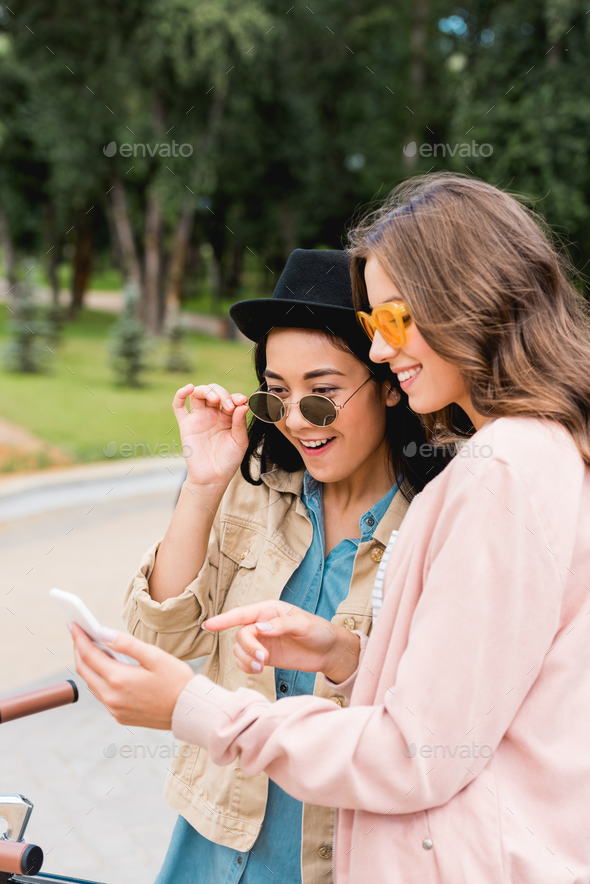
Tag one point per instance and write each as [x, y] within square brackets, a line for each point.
[78, 406]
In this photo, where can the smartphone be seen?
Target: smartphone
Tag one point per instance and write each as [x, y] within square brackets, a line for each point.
[77, 612]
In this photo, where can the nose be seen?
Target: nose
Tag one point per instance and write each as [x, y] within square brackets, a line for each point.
[381, 351]
[295, 420]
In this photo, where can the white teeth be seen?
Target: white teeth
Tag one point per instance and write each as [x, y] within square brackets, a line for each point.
[315, 444]
[406, 375]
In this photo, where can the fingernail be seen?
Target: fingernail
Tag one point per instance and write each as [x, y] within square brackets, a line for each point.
[256, 666]
[229, 403]
[259, 656]
[69, 625]
[107, 635]
[263, 627]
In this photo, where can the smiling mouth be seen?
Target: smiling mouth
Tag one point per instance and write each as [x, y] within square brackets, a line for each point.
[314, 444]
[410, 373]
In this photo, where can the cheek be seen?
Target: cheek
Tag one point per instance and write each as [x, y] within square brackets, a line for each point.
[447, 377]
[364, 424]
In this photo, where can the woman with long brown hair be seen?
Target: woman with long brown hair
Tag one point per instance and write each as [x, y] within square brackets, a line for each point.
[463, 755]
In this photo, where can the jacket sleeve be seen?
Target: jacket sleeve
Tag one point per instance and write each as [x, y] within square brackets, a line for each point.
[175, 624]
[486, 616]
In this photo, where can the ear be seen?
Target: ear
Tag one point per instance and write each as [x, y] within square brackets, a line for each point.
[392, 394]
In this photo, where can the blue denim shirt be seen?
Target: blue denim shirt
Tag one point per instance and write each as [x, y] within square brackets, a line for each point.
[318, 585]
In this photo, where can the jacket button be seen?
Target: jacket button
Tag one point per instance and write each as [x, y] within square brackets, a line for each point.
[244, 554]
[377, 554]
[337, 700]
[325, 852]
[427, 844]
[349, 623]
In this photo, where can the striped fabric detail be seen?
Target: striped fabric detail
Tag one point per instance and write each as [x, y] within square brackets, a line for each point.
[378, 585]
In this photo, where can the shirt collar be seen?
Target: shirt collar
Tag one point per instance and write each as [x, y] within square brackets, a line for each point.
[281, 480]
[391, 517]
[310, 485]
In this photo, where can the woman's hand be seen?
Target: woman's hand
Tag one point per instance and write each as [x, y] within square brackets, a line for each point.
[213, 432]
[286, 637]
[143, 695]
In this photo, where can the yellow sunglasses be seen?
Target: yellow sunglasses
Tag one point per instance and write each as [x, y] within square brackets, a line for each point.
[389, 319]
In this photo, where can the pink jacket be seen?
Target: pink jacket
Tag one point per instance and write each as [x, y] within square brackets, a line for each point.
[464, 756]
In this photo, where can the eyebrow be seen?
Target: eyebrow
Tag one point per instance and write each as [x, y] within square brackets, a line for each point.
[317, 373]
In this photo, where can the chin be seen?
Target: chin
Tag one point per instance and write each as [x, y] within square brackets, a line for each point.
[327, 474]
[421, 405]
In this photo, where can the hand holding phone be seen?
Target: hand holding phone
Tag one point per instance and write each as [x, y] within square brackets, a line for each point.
[77, 612]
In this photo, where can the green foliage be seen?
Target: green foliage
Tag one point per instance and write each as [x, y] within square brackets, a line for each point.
[53, 317]
[176, 358]
[25, 352]
[130, 344]
[79, 409]
[297, 115]
[523, 90]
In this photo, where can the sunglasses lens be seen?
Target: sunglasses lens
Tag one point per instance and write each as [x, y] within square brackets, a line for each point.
[266, 407]
[387, 323]
[318, 411]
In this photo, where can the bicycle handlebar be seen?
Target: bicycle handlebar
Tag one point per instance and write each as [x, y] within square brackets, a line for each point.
[19, 858]
[38, 701]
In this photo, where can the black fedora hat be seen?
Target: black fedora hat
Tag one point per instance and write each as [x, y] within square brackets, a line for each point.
[313, 291]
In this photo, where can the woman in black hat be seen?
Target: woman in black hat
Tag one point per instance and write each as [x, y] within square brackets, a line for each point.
[299, 505]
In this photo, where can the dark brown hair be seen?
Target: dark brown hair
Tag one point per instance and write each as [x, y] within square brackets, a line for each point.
[491, 293]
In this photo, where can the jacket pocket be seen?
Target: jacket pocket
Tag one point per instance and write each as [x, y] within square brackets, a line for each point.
[242, 544]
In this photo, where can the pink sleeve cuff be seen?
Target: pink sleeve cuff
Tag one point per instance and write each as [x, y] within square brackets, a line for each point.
[198, 709]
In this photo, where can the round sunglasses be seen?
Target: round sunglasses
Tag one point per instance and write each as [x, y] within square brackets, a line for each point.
[317, 410]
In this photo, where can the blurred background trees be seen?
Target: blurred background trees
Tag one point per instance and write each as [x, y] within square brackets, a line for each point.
[187, 146]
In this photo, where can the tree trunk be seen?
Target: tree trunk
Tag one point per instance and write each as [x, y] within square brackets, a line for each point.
[9, 255]
[124, 232]
[183, 231]
[54, 253]
[151, 301]
[216, 282]
[180, 243]
[287, 228]
[82, 265]
[52, 273]
[417, 76]
[235, 271]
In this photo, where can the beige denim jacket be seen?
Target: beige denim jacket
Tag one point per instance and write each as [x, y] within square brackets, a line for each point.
[260, 535]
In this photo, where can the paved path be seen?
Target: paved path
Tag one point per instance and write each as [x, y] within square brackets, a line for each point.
[97, 816]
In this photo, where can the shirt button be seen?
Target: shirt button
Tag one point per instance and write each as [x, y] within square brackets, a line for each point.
[325, 853]
[349, 623]
[283, 688]
[427, 844]
[337, 700]
[377, 554]
[240, 860]
[370, 522]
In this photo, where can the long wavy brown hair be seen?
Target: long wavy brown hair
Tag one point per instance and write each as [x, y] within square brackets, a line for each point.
[491, 292]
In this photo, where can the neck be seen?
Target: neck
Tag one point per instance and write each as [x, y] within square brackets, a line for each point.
[478, 420]
[368, 484]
